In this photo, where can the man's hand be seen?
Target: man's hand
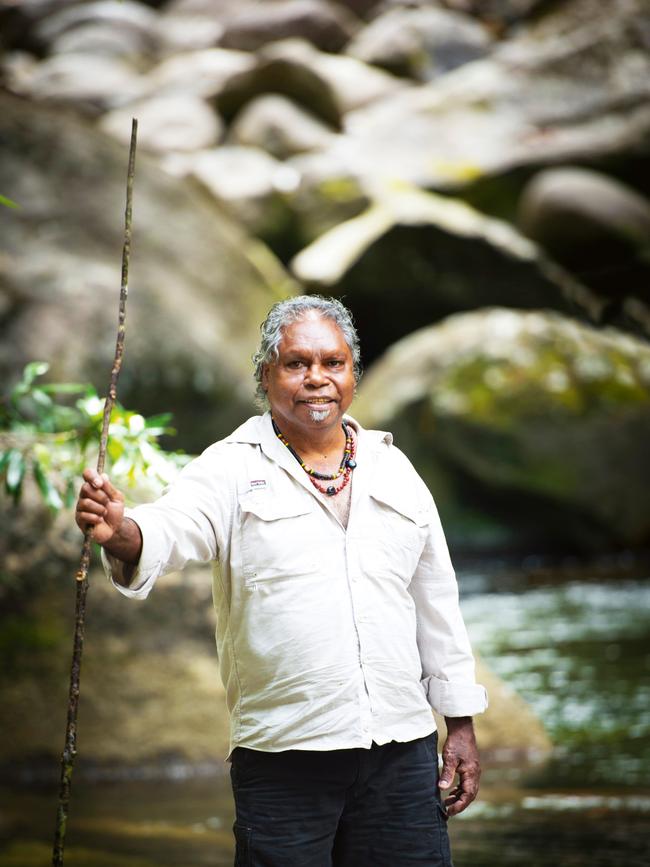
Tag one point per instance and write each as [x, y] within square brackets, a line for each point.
[460, 756]
[99, 506]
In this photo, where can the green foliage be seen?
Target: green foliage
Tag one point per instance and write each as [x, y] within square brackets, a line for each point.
[8, 203]
[50, 431]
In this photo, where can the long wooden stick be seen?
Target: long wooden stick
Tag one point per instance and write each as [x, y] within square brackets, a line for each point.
[70, 747]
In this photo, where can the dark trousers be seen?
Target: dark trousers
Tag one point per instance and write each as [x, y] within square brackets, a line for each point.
[341, 808]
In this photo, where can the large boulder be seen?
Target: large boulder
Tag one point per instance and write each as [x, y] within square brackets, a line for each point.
[199, 285]
[283, 72]
[351, 82]
[325, 24]
[89, 82]
[325, 195]
[286, 204]
[279, 126]
[127, 27]
[552, 416]
[419, 256]
[170, 122]
[252, 186]
[592, 224]
[202, 73]
[421, 43]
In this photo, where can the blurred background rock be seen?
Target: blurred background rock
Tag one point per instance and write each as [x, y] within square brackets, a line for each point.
[471, 178]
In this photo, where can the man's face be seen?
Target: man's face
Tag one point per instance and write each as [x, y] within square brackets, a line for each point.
[311, 385]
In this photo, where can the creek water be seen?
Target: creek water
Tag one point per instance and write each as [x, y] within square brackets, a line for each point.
[575, 646]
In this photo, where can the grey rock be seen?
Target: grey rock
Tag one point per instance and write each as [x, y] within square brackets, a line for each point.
[175, 122]
[103, 38]
[419, 257]
[279, 127]
[325, 195]
[202, 73]
[499, 13]
[199, 286]
[352, 83]
[421, 43]
[90, 82]
[325, 24]
[127, 16]
[187, 32]
[281, 72]
[546, 412]
[592, 224]
[286, 204]
[251, 185]
[361, 8]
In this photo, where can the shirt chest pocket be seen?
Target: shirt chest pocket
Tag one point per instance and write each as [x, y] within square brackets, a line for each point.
[277, 535]
[399, 533]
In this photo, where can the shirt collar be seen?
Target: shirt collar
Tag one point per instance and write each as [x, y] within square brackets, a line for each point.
[258, 430]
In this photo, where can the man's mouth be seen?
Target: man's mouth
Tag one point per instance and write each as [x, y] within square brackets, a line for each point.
[317, 401]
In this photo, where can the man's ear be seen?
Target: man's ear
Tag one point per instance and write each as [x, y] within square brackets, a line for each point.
[265, 377]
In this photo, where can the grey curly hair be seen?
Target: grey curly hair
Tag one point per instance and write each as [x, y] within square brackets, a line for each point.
[284, 313]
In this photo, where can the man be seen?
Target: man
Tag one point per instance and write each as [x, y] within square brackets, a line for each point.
[338, 627]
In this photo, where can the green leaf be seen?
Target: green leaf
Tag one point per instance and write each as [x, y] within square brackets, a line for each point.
[4, 460]
[70, 494]
[15, 472]
[69, 388]
[40, 398]
[8, 203]
[34, 369]
[47, 489]
[161, 421]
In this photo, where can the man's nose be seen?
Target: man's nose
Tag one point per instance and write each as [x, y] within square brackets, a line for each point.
[315, 375]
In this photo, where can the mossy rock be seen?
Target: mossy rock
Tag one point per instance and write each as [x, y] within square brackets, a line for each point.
[529, 404]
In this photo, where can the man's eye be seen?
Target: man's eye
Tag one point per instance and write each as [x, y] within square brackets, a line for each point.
[336, 362]
[295, 364]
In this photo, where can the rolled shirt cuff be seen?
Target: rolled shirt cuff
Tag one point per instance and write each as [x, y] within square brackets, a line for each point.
[454, 698]
[145, 573]
[140, 585]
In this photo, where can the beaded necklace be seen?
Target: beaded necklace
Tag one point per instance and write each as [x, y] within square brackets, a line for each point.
[346, 466]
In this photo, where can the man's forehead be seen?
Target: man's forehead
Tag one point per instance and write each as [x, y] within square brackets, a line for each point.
[311, 331]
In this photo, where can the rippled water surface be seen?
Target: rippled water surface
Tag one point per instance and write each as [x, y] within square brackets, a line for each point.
[578, 651]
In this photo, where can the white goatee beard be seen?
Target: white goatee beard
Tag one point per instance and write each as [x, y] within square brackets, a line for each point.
[318, 414]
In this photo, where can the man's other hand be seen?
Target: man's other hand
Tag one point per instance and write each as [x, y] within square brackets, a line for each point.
[460, 756]
[100, 506]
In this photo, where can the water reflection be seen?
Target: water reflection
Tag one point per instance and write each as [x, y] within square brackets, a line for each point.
[579, 654]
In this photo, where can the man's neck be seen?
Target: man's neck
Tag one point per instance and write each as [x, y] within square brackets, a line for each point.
[315, 445]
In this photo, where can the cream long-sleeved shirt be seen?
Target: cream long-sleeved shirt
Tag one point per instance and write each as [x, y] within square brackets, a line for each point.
[328, 637]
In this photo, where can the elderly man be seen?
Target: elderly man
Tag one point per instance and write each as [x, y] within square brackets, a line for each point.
[338, 627]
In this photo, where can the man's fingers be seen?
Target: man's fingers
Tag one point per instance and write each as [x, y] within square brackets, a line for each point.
[447, 774]
[99, 483]
[92, 495]
[459, 799]
[86, 506]
[107, 487]
[455, 805]
[93, 477]
[462, 795]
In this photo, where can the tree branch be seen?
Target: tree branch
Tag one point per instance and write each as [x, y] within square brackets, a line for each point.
[70, 747]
